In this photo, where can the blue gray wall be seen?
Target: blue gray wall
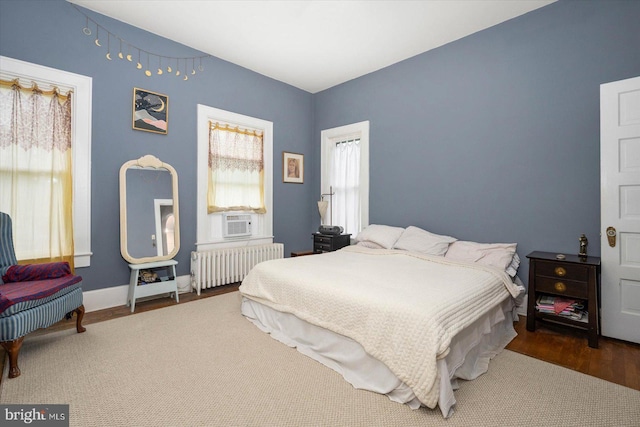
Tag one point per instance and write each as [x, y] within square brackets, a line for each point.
[495, 137]
[50, 33]
[492, 138]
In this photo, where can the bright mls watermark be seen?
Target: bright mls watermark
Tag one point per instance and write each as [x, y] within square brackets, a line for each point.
[35, 415]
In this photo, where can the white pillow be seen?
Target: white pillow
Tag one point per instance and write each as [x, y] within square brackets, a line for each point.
[383, 235]
[370, 245]
[419, 240]
[512, 270]
[499, 255]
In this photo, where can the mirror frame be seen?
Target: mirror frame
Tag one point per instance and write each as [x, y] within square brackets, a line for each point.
[147, 162]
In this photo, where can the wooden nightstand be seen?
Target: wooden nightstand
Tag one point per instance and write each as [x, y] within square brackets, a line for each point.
[301, 253]
[329, 242]
[573, 278]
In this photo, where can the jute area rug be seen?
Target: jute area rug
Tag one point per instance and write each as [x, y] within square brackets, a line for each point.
[203, 364]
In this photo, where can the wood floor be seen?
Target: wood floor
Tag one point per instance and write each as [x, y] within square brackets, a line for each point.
[615, 361]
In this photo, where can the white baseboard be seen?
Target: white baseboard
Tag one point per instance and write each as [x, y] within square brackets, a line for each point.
[522, 310]
[117, 295]
[105, 298]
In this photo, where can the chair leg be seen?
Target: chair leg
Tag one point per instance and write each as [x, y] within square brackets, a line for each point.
[80, 314]
[13, 349]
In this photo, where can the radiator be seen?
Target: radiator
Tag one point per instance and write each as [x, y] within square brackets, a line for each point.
[229, 265]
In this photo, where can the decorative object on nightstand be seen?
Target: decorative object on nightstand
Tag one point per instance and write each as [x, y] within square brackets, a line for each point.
[322, 209]
[565, 290]
[323, 205]
[329, 242]
[583, 246]
[329, 237]
[334, 230]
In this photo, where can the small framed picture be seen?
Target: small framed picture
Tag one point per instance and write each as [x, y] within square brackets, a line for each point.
[293, 168]
[150, 111]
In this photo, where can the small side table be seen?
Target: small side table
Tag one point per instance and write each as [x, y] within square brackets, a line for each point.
[329, 242]
[301, 253]
[571, 277]
[167, 281]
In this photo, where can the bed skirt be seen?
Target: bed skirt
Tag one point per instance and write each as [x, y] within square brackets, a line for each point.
[469, 353]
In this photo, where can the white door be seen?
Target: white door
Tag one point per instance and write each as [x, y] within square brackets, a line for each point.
[620, 208]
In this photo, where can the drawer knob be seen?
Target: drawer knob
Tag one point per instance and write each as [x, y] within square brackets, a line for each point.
[560, 271]
[560, 287]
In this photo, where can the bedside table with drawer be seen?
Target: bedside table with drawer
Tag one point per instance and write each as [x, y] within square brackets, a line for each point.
[300, 253]
[329, 242]
[572, 278]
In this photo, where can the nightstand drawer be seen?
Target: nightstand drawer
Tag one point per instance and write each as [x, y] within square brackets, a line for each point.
[318, 239]
[564, 271]
[568, 288]
[317, 246]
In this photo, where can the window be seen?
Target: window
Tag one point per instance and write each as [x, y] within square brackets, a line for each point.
[236, 169]
[210, 233]
[345, 174]
[80, 130]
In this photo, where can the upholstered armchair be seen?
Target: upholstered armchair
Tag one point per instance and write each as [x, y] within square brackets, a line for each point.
[32, 296]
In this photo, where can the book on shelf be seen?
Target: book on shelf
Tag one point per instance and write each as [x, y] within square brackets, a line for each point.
[559, 306]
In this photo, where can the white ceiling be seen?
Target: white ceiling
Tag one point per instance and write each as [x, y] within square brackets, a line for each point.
[312, 45]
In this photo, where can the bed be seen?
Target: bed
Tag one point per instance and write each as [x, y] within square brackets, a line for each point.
[404, 312]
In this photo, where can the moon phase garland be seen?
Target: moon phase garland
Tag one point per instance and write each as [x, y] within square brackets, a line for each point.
[100, 30]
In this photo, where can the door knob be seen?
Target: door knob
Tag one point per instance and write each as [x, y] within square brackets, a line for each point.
[611, 236]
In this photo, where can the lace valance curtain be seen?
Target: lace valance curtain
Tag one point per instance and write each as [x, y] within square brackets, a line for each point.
[236, 170]
[36, 185]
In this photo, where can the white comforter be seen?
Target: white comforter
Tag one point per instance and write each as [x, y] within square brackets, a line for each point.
[402, 307]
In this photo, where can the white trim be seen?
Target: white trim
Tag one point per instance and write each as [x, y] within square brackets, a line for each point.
[81, 143]
[209, 226]
[359, 130]
[522, 309]
[105, 298]
[116, 296]
[157, 204]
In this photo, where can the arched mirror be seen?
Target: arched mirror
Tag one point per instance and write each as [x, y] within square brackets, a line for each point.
[149, 220]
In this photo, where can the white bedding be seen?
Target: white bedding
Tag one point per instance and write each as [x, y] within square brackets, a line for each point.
[468, 358]
[403, 308]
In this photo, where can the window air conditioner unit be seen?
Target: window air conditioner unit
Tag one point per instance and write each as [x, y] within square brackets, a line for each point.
[234, 225]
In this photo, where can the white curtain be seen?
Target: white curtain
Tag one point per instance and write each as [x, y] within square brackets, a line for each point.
[35, 171]
[236, 170]
[345, 178]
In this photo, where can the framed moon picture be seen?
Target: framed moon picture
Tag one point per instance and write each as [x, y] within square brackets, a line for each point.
[150, 111]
